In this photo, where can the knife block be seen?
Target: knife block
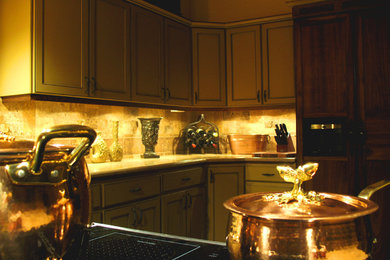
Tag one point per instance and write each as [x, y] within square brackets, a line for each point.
[286, 148]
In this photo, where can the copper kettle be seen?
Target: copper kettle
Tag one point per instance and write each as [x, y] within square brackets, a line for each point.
[44, 194]
[299, 224]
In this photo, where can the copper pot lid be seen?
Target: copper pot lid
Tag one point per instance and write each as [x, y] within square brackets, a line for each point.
[298, 205]
[333, 207]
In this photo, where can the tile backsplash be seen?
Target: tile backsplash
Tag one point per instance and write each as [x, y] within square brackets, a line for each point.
[27, 119]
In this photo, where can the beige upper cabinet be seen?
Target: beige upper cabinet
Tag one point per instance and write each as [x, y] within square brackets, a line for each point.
[110, 50]
[178, 74]
[147, 56]
[62, 64]
[278, 63]
[209, 84]
[62, 47]
[69, 44]
[243, 63]
[161, 59]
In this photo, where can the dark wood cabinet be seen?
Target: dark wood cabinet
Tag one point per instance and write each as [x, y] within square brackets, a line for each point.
[343, 71]
[324, 65]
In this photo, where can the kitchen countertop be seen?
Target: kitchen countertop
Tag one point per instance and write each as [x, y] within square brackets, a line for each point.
[137, 164]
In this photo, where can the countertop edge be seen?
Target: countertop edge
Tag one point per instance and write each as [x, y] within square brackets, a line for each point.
[138, 165]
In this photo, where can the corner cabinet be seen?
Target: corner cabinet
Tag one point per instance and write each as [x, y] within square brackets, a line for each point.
[71, 56]
[209, 83]
[161, 59]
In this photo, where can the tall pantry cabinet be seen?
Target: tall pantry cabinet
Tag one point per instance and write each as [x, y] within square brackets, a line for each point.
[343, 73]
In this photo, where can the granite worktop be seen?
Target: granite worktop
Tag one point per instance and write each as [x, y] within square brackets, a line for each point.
[136, 164]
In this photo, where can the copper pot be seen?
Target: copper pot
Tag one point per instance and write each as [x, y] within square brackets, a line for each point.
[44, 194]
[299, 225]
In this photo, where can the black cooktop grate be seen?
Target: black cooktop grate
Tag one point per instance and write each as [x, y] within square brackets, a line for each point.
[128, 246]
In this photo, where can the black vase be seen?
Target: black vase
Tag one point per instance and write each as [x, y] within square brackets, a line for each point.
[149, 130]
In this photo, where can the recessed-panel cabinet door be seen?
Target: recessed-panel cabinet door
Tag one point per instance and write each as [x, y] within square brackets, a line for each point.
[209, 84]
[177, 63]
[147, 56]
[62, 47]
[374, 111]
[278, 63]
[243, 63]
[110, 49]
[324, 66]
[196, 213]
[225, 181]
[173, 213]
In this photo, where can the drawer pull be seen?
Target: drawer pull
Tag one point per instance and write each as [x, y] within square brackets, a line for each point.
[137, 189]
[186, 179]
[268, 174]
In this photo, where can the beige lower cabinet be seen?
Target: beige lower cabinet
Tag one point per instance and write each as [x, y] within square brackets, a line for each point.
[144, 215]
[184, 213]
[224, 181]
[264, 177]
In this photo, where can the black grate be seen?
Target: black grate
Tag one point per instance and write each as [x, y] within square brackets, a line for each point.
[128, 246]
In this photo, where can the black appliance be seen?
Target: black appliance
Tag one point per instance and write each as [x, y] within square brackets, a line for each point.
[112, 242]
[324, 136]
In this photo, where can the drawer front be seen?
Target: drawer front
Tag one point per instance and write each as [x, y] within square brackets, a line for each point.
[264, 172]
[183, 178]
[131, 189]
[255, 186]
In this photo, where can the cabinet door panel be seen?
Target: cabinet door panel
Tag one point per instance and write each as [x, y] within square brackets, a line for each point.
[196, 213]
[324, 68]
[147, 56]
[174, 219]
[178, 63]
[110, 50]
[243, 64]
[278, 63]
[224, 183]
[62, 47]
[374, 96]
[209, 67]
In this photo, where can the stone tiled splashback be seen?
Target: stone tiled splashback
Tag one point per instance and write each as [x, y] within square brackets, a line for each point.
[28, 119]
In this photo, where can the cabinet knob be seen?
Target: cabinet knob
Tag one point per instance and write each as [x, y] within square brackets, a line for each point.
[265, 95]
[196, 97]
[258, 96]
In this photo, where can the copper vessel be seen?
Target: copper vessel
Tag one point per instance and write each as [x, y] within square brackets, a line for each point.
[248, 143]
[300, 225]
[44, 194]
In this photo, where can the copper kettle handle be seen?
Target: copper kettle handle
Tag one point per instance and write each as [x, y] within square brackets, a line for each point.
[62, 131]
[370, 189]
